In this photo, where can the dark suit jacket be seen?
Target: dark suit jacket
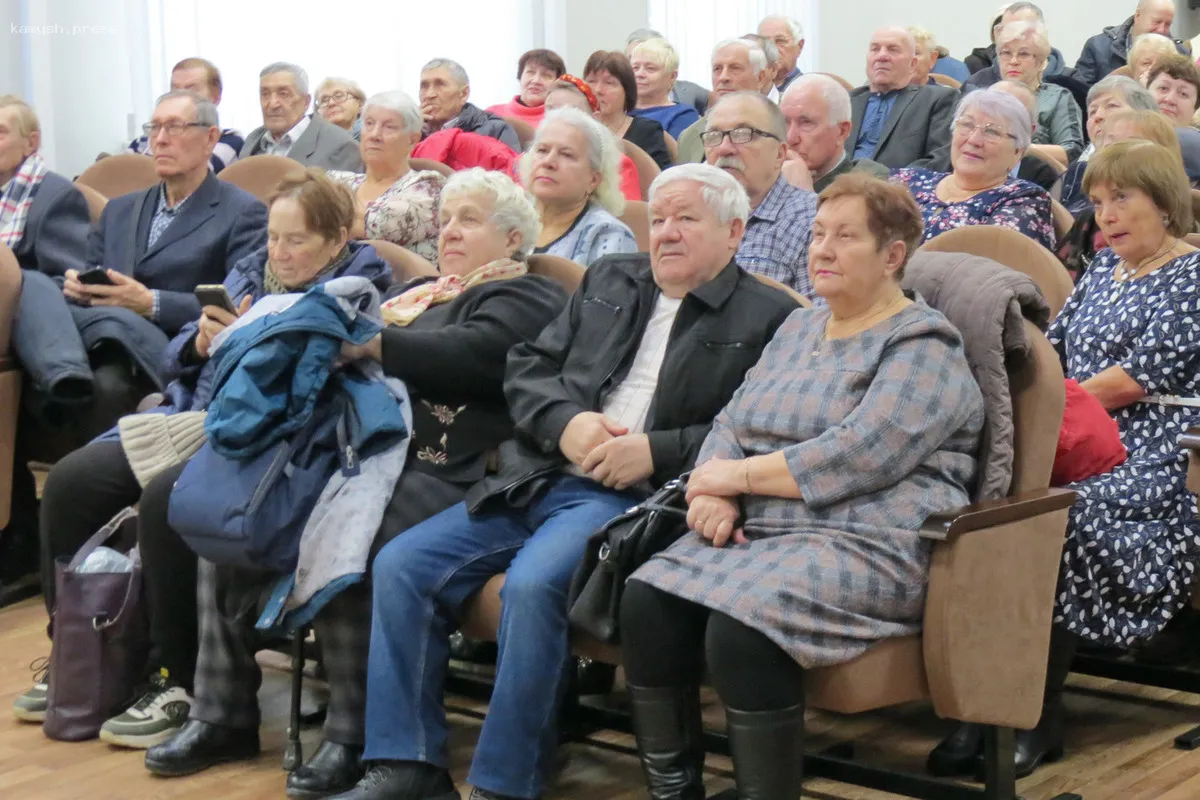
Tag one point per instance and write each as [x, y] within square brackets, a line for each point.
[850, 165]
[56, 230]
[916, 133]
[218, 226]
[321, 145]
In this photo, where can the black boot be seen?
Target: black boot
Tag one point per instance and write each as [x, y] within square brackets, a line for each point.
[200, 745]
[958, 753]
[667, 726]
[768, 752]
[333, 769]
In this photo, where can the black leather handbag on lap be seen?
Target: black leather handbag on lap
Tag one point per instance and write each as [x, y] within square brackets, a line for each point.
[615, 551]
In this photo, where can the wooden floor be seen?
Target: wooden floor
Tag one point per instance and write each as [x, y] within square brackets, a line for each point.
[1119, 746]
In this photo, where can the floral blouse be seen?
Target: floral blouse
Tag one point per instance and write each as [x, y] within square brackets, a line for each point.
[1019, 205]
[406, 214]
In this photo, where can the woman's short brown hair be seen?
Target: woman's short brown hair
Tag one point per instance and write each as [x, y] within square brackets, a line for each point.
[1151, 126]
[616, 64]
[1178, 67]
[892, 213]
[1150, 168]
[547, 59]
[328, 206]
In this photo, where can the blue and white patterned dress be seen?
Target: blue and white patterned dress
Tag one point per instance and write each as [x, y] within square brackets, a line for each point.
[1133, 540]
[595, 233]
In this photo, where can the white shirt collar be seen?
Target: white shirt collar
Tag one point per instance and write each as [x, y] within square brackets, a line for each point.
[286, 141]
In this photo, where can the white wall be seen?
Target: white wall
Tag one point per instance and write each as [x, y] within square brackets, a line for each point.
[576, 28]
[12, 49]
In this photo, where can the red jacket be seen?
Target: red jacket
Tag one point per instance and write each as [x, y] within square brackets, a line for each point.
[459, 149]
[515, 108]
[630, 185]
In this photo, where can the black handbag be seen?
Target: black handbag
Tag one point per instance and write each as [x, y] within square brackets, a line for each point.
[615, 551]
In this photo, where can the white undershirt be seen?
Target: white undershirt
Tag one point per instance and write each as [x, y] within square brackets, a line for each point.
[629, 402]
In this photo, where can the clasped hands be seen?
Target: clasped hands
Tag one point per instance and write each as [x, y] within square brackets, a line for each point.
[712, 492]
[606, 451]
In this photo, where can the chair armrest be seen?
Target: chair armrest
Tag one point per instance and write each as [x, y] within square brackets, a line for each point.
[1190, 438]
[945, 526]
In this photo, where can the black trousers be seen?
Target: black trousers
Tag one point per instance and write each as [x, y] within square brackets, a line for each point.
[664, 636]
[85, 490]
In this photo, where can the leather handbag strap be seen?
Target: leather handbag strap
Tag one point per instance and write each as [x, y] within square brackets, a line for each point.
[100, 537]
[99, 623]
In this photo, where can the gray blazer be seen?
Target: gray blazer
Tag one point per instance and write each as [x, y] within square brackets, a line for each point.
[916, 133]
[321, 145]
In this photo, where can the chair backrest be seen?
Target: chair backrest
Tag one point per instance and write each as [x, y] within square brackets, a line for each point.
[945, 80]
[120, 174]
[636, 216]
[647, 169]
[847, 85]
[96, 201]
[1063, 221]
[672, 146]
[563, 271]
[803, 301]
[428, 163]
[523, 130]
[1013, 250]
[405, 264]
[259, 175]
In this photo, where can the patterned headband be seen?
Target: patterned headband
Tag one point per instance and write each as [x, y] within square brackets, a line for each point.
[584, 89]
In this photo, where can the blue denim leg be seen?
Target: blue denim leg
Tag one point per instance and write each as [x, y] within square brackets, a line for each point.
[519, 738]
[421, 580]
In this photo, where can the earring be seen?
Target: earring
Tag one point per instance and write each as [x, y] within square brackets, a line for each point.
[1166, 220]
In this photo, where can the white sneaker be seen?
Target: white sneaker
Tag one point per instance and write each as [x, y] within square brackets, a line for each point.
[153, 719]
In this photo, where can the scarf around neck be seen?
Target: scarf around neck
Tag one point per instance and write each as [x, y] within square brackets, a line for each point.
[16, 198]
[404, 308]
[273, 285]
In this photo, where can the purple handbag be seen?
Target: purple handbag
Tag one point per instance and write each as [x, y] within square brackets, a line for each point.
[101, 638]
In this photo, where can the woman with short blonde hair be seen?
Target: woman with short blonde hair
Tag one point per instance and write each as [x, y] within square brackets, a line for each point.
[655, 68]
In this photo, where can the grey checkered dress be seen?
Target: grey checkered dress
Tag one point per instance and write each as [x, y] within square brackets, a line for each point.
[879, 430]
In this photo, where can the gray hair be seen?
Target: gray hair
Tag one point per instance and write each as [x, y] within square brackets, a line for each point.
[206, 111]
[1003, 107]
[1022, 28]
[512, 207]
[299, 76]
[834, 94]
[450, 65]
[604, 155]
[352, 86]
[1013, 8]
[643, 35]
[1144, 4]
[720, 190]
[754, 53]
[769, 48]
[399, 103]
[776, 123]
[793, 26]
[1132, 92]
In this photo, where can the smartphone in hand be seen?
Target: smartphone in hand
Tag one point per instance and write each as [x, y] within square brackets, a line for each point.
[97, 276]
[214, 294]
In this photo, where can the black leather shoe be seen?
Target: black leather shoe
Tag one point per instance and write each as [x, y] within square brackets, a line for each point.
[200, 745]
[402, 780]
[957, 754]
[334, 768]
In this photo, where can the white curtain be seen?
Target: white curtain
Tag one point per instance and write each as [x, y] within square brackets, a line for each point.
[694, 26]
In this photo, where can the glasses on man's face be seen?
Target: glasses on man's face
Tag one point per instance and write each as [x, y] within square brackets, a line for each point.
[333, 97]
[173, 129]
[740, 135]
[1018, 55]
[991, 134]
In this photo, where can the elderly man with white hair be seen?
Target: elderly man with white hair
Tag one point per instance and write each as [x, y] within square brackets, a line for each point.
[788, 36]
[895, 123]
[288, 129]
[610, 402]
[445, 91]
[816, 109]
[738, 65]
[1109, 50]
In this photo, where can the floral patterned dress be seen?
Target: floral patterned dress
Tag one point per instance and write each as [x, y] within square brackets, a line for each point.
[406, 214]
[1133, 540]
[1020, 205]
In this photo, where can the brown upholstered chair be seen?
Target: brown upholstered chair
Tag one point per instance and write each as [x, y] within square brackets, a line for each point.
[429, 163]
[10, 378]
[646, 168]
[96, 201]
[121, 174]
[259, 175]
[1063, 221]
[1013, 250]
[636, 216]
[405, 264]
[803, 301]
[945, 80]
[523, 130]
[563, 271]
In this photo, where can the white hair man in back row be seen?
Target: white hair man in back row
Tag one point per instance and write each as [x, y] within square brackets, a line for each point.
[817, 111]
[788, 36]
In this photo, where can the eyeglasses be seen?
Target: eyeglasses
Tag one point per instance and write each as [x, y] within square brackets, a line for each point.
[173, 129]
[333, 97]
[743, 135]
[991, 134]
[1020, 55]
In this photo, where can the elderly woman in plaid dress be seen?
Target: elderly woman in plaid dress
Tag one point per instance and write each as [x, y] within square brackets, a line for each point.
[860, 419]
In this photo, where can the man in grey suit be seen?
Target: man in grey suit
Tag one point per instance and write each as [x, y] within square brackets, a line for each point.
[896, 124]
[817, 111]
[287, 129]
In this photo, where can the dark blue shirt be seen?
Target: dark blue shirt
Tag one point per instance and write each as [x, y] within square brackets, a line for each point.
[879, 107]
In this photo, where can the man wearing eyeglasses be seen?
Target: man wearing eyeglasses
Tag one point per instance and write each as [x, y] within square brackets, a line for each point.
[745, 135]
[288, 130]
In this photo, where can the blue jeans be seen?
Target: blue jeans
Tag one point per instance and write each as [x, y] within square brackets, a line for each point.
[423, 578]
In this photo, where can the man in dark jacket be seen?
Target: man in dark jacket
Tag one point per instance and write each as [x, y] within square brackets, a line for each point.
[612, 400]
[1109, 50]
[444, 93]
